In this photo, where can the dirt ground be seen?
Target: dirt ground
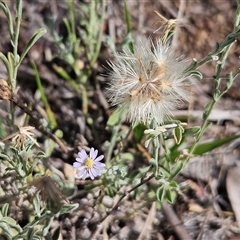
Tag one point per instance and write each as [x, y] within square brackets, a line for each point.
[203, 209]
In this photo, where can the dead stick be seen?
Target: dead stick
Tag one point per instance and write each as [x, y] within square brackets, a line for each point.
[175, 222]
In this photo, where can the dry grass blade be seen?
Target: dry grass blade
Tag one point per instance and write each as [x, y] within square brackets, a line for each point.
[232, 184]
[146, 231]
[175, 222]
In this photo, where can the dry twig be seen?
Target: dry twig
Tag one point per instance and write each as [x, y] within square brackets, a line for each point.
[175, 222]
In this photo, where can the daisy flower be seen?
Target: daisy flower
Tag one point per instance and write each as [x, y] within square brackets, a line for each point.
[89, 164]
[149, 83]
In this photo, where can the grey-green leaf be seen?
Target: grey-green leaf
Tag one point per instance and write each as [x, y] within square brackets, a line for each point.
[209, 146]
[8, 16]
[160, 194]
[5, 209]
[177, 133]
[67, 208]
[5, 61]
[40, 32]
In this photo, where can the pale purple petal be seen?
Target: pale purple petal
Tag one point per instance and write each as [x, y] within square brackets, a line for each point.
[93, 171]
[99, 165]
[91, 174]
[81, 172]
[80, 160]
[82, 154]
[84, 174]
[77, 164]
[93, 153]
[99, 158]
[98, 172]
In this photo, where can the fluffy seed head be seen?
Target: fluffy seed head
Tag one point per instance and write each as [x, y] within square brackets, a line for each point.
[149, 83]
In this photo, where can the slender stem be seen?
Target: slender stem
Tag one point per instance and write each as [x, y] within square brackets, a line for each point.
[113, 142]
[15, 40]
[217, 93]
[72, 21]
[14, 68]
[203, 127]
[114, 137]
[84, 99]
[98, 44]
[127, 193]
[229, 40]
[156, 153]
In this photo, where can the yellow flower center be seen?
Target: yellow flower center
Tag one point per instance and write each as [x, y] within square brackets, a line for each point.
[89, 163]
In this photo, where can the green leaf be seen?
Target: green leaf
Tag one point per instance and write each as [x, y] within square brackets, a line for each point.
[110, 192]
[171, 195]
[196, 74]
[147, 142]
[209, 146]
[7, 231]
[5, 61]
[129, 26]
[160, 193]
[7, 12]
[207, 109]
[139, 132]
[164, 173]
[127, 43]
[11, 223]
[177, 133]
[192, 131]
[30, 233]
[37, 238]
[111, 44]
[56, 234]
[230, 80]
[115, 118]
[5, 209]
[153, 161]
[49, 112]
[177, 169]
[67, 208]
[41, 155]
[47, 224]
[37, 205]
[5, 157]
[127, 157]
[39, 33]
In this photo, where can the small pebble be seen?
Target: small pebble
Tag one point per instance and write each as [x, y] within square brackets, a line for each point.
[138, 225]
[124, 233]
[107, 202]
[85, 234]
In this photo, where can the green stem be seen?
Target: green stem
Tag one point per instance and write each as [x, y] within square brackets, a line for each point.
[229, 40]
[203, 126]
[72, 21]
[15, 41]
[84, 99]
[99, 41]
[217, 93]
[156, 153]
